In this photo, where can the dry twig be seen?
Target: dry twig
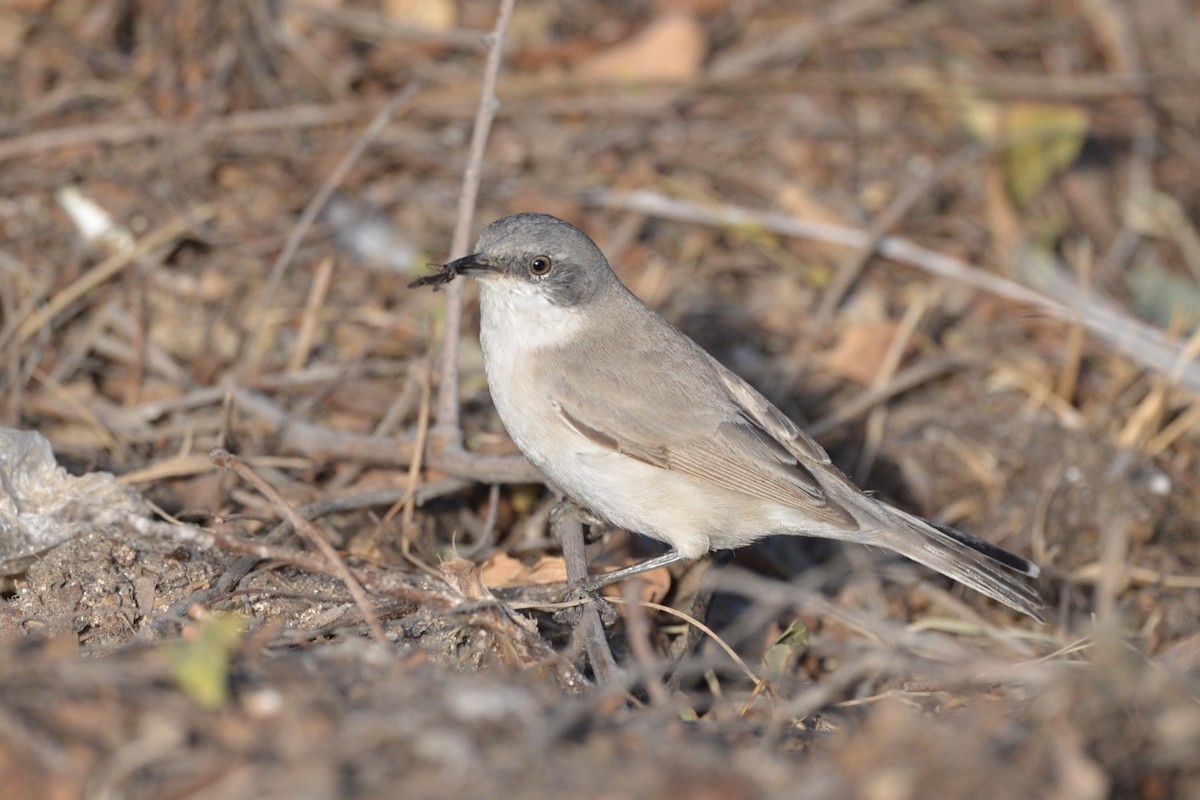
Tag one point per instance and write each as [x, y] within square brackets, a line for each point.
[253, 352]
[108, 268]
[226, 460]
[1060, 298]
[568, 529]
[446, 433]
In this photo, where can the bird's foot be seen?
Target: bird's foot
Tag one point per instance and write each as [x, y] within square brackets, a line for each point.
[579, 596]
[594, 526]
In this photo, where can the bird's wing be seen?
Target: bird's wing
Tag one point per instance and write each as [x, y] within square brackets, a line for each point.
[773, 421]
[709, 425]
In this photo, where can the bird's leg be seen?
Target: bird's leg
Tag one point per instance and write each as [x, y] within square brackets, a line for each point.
[586, 620]
[594, 526]
[597, 582]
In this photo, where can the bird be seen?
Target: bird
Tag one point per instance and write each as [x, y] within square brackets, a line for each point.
[635, 422]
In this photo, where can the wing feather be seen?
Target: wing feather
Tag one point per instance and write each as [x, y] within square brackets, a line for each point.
[693, 416]
[768, 417]
[738, 455]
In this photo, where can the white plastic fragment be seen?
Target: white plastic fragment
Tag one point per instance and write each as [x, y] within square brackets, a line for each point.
[93, 222]
[40, 501]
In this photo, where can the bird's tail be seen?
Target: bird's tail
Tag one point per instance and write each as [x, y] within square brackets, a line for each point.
[986, 568]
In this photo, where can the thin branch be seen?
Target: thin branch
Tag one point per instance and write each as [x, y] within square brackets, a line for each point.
[253, 350]
[446, 432]
[414, 468]
[638, 627]
[309, 216]
[850, 269]
[568, 529]
[689, 619]
[656, 204]
[312, 313]
[1059, 296]
[871, 397]
[322, 442]
[226, 460]
[1117, 38]
[109, 267]
[573, 95]
[121, 133]
[877, 419]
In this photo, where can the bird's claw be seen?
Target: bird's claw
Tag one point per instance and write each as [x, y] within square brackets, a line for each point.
[567, 509]
[582, 595]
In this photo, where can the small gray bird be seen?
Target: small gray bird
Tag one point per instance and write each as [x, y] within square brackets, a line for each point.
[633, 420]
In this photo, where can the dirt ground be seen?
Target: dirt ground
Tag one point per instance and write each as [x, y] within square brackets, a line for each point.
[209, 217]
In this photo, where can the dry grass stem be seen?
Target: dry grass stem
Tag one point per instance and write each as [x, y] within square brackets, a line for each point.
[254, 351]
[225, 460]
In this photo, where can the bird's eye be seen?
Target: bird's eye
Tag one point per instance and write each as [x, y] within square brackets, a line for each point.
[539, 265]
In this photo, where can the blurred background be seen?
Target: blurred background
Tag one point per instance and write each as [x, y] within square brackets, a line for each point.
[194, 197]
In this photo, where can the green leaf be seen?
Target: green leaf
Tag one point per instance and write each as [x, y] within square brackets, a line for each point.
[1045, 141]
[200, 665]
[1040, 140]
[793, 639]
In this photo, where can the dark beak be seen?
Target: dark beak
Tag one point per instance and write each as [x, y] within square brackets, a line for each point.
[475, 264]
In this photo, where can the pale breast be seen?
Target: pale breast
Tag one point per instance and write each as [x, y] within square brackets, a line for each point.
[516, 324]
[518, 328]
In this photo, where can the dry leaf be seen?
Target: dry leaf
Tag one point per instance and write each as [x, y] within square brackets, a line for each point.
[502, 570]
[465, 578]
[783, 651]
[549, 569]
[653, 585]
[438, 15]
[1049, 139]
[671, 48]
[861, 350]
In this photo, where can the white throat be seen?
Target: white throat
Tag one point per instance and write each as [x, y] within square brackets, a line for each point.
[517, 326]
[516, 318]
